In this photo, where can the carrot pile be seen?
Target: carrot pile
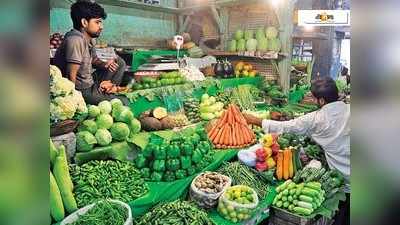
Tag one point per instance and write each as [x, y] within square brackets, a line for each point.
[231, 130]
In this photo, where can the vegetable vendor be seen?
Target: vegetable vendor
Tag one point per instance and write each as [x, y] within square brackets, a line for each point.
[77, 58]
[329, 127]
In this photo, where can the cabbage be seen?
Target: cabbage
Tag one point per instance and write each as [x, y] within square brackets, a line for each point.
[262, 45]
[119, 131]
[274, 45]
[88, 125]
[104, 121]
[238, 34]
[93, 111]
[85, 141]
[134, 126]
[251, 45]
[260, 34]
[271, 32]
[232, 46]
[241, 45]
[105, 107]
[248, 34]
[124, 115]
[116, 102]
[103, 137]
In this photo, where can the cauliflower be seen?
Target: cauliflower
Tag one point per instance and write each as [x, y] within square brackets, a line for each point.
[55, 73]
[63, 108]
[81, 104]
[61, 87]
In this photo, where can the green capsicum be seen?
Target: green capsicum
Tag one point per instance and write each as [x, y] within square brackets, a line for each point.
[140, 161]
[156, 176]
[204, 146]
[283, 142]
[159, 165]
[160, 152]
[148, 151]
[187, 149]
[195, 138]
[145, 172]
[180, 174]
[191, 171]
[173, 151]
[186, 162]
[199, 166]
[172, 164]
[169, 176]
[197, 156]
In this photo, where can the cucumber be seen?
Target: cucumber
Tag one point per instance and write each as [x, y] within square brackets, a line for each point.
[314, 185]
[306, 198]
[290, 199]
[285, 192]
[284, 199]
[291, 185]
[302, 211]
[310, 192]
[306, 205]
[295, 201]
[292, 191]
[283, 186]
[286, 205]
[291, 206]
[279, 204]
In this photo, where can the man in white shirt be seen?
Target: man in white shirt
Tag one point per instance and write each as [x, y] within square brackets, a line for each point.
[329, 127]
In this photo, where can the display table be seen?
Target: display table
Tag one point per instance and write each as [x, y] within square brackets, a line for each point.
[140, 57]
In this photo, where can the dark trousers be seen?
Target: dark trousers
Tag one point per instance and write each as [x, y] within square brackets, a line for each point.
[93, 95]
[342, 217]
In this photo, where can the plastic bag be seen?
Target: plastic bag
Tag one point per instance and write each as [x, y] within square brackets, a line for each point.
[75, 216]
[205, 199]
[248, 156]
[233, 210]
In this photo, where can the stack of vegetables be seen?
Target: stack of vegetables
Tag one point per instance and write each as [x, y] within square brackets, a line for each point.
[242, 97]
[331, 180]
[62, 200]
[65, 102]
[266, 154]
[192, 109]
[261, 40]
[97, 180]
[165, 79]
[108, 121]
[174, 160]
[210, 108]
[237, 203]
[231, 130]
[177, 212]
[243, 69]
[301, 199]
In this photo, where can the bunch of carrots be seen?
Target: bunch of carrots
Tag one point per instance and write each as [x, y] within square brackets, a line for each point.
[231, 130]
[284, 164]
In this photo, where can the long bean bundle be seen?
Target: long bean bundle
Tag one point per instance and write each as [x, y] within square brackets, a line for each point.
[242, 175]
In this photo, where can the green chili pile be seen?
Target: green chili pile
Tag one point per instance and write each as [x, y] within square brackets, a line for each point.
[97, 180]
[103, 213]
[175, 213]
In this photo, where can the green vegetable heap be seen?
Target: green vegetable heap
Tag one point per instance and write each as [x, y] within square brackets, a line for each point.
[101, 214]
[107, 180]
[175, 213]
[301, 199]
[177, 159]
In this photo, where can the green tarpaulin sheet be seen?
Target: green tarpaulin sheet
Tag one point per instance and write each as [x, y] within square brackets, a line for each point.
[169, 191]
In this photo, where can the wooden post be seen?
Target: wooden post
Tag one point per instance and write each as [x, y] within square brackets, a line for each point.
[285, 13]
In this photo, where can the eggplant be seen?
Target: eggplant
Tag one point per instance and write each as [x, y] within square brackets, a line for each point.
[219, 69]
[228, 69]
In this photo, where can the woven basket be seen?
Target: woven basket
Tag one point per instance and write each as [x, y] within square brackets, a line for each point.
[63, 127]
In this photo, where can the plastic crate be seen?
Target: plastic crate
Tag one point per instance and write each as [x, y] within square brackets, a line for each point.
[282, 217]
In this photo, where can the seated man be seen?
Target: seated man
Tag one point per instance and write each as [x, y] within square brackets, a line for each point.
[77, 58]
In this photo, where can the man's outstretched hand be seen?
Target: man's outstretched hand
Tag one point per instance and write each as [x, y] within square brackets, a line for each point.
[250, 119]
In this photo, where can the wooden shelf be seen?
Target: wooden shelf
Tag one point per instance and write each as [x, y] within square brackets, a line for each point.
[255, 55]
[139, 5]
[220, 3]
